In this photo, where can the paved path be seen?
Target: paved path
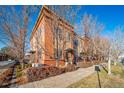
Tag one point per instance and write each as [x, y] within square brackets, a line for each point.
[6, 64]
[61, 81]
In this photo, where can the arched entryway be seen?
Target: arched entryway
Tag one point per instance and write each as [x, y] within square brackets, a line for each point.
[69, 56]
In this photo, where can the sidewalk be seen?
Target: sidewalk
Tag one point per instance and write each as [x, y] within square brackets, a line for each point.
[61, 81]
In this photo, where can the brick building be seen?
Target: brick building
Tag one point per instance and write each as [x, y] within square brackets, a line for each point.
[52, 37]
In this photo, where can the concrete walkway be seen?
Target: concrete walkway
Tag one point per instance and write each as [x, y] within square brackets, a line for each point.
[61, 81]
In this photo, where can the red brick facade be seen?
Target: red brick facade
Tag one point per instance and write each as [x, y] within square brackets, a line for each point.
[42, 40]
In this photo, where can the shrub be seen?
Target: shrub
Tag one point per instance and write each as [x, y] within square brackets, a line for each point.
[19, 69]
[27, 65]
[5, 75]
[22, 80]
[70, 68]
[38, 73]
[18, 74]
[8, 72]
[41, 73]
[2, 78]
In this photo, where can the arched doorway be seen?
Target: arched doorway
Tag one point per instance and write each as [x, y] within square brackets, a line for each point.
[69, 56]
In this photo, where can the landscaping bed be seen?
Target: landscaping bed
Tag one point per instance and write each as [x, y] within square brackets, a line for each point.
[38, 73]
[5, 76]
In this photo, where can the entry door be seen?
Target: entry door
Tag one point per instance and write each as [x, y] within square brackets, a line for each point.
[69, 57]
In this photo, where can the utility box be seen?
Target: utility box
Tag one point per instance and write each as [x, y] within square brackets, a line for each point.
[97, 68]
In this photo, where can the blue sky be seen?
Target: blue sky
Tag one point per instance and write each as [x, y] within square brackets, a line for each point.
[110, 16]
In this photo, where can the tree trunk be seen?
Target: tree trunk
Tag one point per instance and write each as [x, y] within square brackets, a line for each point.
[109, 66]
[115, 62]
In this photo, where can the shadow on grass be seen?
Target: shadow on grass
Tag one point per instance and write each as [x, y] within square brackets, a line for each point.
[104, 68]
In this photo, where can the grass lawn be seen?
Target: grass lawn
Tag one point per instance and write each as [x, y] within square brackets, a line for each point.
[116, 80]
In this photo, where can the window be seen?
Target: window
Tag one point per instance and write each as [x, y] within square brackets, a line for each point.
[68, 37]
[58, 37]
[60, 34]
[57, 54]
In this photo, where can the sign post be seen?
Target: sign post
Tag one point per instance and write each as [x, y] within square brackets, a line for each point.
[97, 69]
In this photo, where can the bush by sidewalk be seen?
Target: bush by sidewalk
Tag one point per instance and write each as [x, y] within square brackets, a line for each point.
[38, 73]
[5, 75]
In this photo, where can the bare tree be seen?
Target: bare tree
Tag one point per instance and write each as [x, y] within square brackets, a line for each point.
[91, 29]
[117, 45]
[14, 26]
[98, 46]
[115, 48]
